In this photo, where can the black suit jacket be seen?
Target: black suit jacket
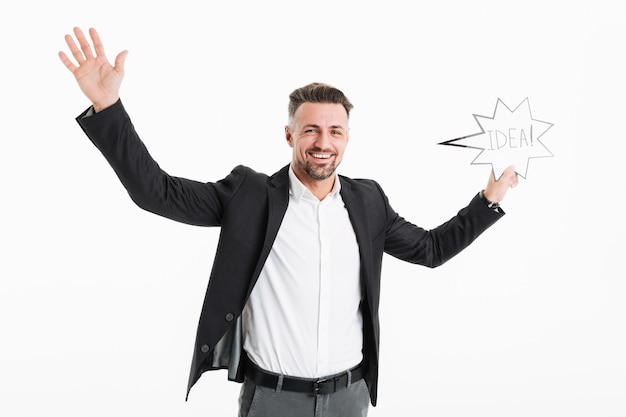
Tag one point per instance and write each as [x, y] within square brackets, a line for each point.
[249, 207]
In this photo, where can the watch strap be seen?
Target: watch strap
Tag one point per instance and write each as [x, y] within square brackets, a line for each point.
[487, 202]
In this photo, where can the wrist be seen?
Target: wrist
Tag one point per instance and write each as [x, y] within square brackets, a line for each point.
[105, 103]
[488, 202]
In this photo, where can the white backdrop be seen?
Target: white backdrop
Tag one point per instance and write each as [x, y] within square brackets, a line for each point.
[99, 300]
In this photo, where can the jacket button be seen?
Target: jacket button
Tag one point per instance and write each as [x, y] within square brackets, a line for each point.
[229, 317]
[204, 348]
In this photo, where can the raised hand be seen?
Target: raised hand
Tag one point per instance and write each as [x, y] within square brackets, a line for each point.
[97, 79]
[496, 189]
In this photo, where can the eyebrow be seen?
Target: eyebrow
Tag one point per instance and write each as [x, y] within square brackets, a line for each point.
[318, 126]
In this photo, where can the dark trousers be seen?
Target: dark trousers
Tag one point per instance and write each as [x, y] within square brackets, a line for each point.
[258, 401]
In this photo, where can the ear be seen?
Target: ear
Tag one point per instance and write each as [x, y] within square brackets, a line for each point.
[288, 136]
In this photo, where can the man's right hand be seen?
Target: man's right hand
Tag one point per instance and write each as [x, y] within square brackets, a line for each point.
[98, 80]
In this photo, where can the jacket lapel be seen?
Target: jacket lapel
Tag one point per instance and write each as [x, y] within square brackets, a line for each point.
[278, 199]
[358, 217]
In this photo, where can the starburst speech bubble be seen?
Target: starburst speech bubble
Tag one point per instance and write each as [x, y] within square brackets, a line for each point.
[510, 137]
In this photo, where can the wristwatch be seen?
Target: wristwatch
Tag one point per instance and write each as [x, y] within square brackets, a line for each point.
[489, 204]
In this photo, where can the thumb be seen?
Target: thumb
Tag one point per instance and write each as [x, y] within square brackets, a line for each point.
[120, 59]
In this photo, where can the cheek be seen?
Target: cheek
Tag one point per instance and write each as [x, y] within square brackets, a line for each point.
[301, 146]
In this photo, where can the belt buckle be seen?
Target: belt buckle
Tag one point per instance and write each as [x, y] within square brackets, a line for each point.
[321, 383]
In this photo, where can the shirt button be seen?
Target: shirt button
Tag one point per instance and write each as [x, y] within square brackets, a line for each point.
[204, 348]
[229, 317]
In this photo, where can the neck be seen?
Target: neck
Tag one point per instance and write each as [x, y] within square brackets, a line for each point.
[319, 188]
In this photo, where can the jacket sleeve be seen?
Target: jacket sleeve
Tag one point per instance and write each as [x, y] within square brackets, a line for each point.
[150, 187]
[432, 248]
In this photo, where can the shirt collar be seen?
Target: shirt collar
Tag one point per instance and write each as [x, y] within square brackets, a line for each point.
[298, 190]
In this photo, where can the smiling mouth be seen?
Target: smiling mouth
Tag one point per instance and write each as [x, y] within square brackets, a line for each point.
[320, 155]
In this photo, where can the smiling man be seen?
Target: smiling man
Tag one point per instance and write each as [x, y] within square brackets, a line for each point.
[291, 309]
[318, 133]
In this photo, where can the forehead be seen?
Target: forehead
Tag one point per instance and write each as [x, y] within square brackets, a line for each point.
[331, 114]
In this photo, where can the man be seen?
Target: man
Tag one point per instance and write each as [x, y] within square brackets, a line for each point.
[291, 309]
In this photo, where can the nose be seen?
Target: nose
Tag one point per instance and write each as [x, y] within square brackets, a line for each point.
[323, 140]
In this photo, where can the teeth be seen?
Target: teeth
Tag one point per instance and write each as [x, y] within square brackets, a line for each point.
[321, 156]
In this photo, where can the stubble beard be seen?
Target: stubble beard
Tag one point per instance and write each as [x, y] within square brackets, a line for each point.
[318, 172]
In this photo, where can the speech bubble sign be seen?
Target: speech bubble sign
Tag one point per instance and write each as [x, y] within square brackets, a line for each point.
[509, 137]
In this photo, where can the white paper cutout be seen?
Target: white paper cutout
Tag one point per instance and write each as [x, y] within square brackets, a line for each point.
[510, 137]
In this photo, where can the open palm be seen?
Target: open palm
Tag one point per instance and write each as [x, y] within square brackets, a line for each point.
[98, 80]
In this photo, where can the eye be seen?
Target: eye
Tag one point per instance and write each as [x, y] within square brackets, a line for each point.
[310, 130]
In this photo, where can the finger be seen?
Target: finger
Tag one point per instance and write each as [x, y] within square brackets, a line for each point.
[508, 173]
[515, 181]
[511, 177]
[492, 177]
[119, 62]
[76, 53]
[84, 44]
[97, 43]
[67, 62]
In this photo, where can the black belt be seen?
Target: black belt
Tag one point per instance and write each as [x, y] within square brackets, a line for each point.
[325, 385]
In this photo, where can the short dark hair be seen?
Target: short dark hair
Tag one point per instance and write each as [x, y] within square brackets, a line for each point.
[317, 93]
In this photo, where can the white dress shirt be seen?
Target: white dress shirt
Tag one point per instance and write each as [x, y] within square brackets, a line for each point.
[303, 317]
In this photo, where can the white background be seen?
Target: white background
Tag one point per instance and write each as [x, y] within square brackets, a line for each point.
[99, 300]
